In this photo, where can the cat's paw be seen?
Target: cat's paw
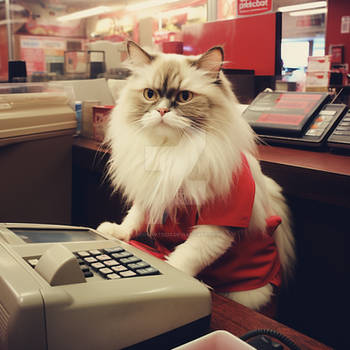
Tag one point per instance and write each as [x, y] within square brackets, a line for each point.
[114, 230]
[180, 264]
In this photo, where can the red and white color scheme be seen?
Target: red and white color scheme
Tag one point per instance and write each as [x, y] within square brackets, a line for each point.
[253, 7]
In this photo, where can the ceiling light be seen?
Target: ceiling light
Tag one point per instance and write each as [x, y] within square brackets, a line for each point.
[308, 5]
[148, 4]
[174, 12]
[85, 13]
[309, 12]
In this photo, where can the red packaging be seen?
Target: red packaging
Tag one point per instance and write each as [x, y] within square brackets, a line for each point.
[100, 120]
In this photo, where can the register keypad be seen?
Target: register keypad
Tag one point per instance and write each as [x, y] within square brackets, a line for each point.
[113, 263]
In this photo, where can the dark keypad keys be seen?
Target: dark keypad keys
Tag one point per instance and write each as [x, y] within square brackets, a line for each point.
[138, 265]
[148, 271]
[84, 268]
[114, 263]
[124, 254]
[88, 273]
[113, 250]
[130, 260]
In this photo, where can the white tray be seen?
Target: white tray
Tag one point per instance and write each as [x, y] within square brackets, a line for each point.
[218, 340]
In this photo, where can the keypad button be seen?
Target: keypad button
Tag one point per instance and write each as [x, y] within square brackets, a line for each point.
[97, 265]
[88, 273]
[102, 257]
[84, 268]
[130, 260]
[95, 252]
[138, 265]
[83, 254]
[111, 262]
[344, 128]
[148, 271]
[113, 276]
[328, 112]
[90, 260]
[113, 250]
[119, 268]
[127, 273]
[105, 271]
[124, 254]
[80, 261]
[314, 132]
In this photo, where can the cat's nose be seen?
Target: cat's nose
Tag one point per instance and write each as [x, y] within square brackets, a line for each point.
[162, 111]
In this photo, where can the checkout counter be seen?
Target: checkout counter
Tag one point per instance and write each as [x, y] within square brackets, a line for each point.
[36, 129]
[65, 176]
[316, 182]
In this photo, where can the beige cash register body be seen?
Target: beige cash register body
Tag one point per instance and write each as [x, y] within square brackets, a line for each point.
[64, 287]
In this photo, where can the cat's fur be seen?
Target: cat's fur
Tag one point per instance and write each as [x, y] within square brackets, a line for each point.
[166, 155]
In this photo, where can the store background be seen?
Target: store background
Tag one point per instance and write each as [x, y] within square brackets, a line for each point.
[32, 31]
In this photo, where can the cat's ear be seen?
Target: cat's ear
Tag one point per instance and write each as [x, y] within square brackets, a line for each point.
[137, 55]
[212, 60]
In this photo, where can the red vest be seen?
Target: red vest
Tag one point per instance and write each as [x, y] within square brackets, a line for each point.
[251, 261]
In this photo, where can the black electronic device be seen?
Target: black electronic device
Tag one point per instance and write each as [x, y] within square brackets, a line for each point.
[340, 137]
[295, 118]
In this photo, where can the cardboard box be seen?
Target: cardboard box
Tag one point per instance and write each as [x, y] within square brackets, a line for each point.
[319, 63]
[317, 79]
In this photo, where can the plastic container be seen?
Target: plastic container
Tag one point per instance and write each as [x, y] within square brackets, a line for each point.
[78, 115]
[100, 120]
[218, 340]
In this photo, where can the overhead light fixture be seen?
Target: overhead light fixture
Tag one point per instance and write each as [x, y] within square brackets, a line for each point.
[174, 12]
[308, 5]
[309, 12]
[148, 4]
[86, 13]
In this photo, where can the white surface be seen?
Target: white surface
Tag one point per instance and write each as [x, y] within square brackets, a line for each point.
[218, 340]
[88, 89]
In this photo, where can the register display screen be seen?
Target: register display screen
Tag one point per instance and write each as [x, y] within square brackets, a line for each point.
[31, 235]
[283, 111]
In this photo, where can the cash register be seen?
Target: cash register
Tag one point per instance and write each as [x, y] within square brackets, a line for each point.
[65, 287]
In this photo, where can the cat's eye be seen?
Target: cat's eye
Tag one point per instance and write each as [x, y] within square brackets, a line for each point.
[150, 95]
[184, 96]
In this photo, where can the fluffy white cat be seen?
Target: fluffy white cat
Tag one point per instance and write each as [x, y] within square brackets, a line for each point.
[185, 160]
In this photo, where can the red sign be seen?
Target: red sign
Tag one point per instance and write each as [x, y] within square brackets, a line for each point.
[244, 48]
[253, 7]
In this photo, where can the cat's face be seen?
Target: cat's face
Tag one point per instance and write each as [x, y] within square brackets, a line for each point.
[169, 94]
